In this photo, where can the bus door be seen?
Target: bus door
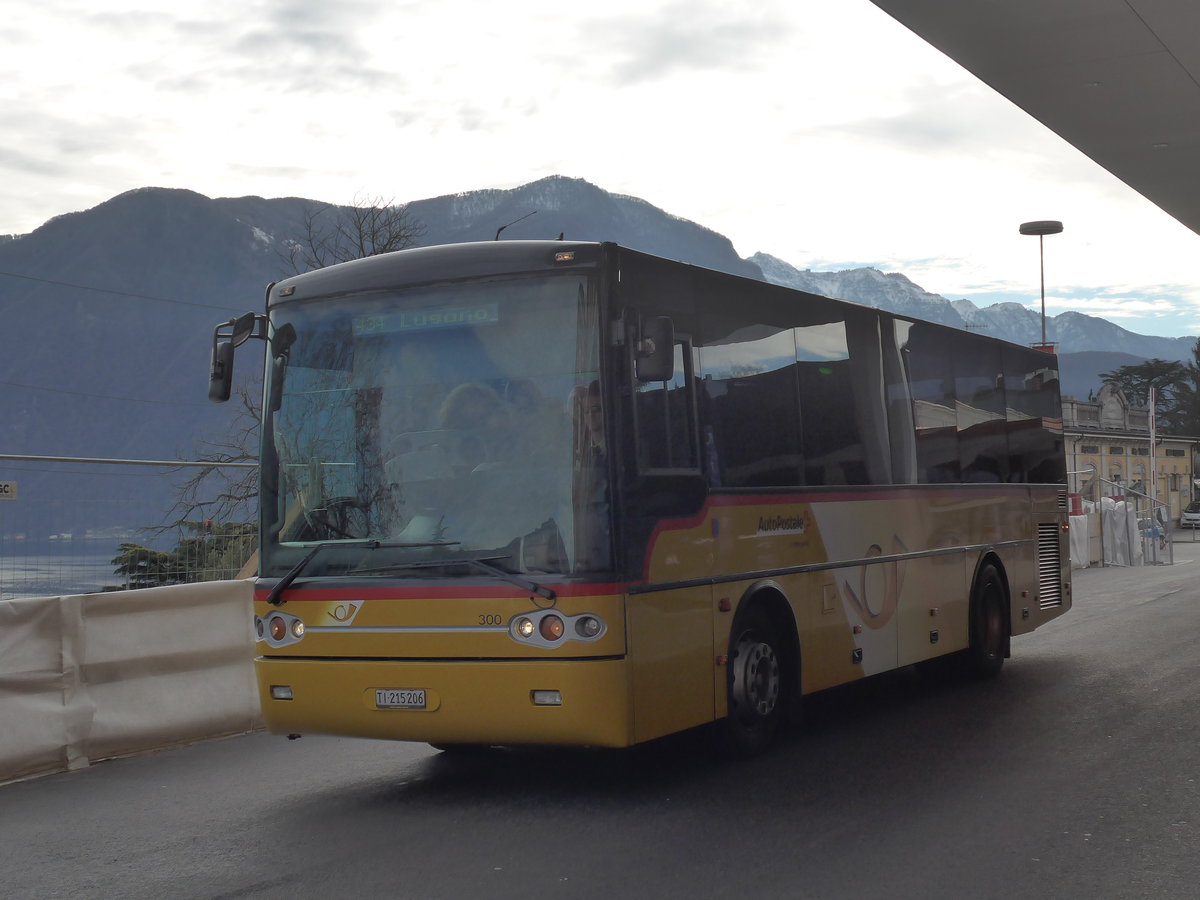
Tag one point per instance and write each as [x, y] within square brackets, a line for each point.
[670, 620]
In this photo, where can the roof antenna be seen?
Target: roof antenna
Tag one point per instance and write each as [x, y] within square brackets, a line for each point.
[560, 236]
[513, 222]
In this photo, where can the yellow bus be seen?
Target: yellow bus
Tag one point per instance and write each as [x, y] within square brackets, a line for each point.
[564, 493]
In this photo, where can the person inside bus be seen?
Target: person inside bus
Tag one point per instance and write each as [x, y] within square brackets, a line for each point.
[476, 413]
[591, 485]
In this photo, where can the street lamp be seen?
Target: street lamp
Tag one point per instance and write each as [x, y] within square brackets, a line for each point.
[1041, 229]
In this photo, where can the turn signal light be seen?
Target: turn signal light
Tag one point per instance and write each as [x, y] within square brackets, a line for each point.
[547, 629]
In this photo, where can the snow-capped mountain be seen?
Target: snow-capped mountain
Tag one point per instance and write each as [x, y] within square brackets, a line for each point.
[112, 309]
[1073, 332]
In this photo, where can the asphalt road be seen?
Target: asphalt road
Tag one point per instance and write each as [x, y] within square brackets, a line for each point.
[1074, 774]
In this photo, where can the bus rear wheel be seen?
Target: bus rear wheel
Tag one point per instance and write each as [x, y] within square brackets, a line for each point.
[755, 686]
[989, 632]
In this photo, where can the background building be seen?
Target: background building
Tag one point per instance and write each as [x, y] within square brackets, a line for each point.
[1109, 452]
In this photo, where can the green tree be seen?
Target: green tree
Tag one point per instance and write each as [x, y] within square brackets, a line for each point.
[208, 552]
[1187, 398]
[1171, 380]
[215, 551]
[142, 567]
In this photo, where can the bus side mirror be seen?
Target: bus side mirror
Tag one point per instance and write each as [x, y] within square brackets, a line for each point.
[654, 354]
[242, 328]
[227, 337]
[220, 374]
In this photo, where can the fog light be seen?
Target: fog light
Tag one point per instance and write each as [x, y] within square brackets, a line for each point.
[552, 628]
[278, 628]
[547, 698]
[524, 627]
[281, 692]
[587, 627]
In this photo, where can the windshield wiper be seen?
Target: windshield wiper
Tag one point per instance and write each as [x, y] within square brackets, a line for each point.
[483, 563]
[485, 566]
[275, 597]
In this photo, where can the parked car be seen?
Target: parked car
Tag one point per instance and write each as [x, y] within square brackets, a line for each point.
[1190, 517]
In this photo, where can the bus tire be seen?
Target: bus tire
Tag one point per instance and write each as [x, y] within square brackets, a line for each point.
[755, 685]
[989, 628]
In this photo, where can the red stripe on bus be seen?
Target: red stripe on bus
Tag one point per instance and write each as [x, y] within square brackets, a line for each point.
[398, 592]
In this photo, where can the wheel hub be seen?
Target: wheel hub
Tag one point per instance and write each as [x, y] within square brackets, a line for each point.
[755, 678]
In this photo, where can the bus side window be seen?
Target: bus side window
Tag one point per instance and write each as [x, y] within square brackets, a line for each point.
[1034, 417]
[931, 382]
[842, 432]
[750, 410]
[666, 418]
[979, 407]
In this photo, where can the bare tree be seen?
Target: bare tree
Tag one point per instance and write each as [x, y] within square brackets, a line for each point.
[220, 492]
[331, 234]
[335, 234]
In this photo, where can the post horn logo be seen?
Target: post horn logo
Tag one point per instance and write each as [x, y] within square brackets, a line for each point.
[344, 613]
[877, 612]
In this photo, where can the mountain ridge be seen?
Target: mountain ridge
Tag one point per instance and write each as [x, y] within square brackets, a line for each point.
[111, 312]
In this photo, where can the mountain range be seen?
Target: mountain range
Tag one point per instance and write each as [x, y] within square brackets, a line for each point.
[109, 315]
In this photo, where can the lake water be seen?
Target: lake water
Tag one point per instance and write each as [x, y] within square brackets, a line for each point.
[56, 574]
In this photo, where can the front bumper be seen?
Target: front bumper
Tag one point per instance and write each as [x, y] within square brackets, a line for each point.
[467, 701]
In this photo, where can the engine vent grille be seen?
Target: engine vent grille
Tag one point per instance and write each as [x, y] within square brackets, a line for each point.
[1049, 565]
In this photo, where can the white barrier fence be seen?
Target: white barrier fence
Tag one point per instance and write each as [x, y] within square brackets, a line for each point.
[1119, 533]
[96, 676]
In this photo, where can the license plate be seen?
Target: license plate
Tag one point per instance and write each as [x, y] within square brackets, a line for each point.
[400, 698]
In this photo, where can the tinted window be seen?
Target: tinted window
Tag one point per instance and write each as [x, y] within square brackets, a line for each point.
[831, 434]
[979, 411]
[930, 369]
[1034, 417]
[751, 409]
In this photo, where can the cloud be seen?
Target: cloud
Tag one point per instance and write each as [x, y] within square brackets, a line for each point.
[684, 37]
[21, 163]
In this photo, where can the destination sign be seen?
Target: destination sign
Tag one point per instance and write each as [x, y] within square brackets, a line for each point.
[427, 319]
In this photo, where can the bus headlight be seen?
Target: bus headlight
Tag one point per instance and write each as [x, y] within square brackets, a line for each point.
[279, 629]
[588, 627]
[549, 628]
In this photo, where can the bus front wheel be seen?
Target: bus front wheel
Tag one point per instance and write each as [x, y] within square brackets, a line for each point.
[985, 655]
[755, 686]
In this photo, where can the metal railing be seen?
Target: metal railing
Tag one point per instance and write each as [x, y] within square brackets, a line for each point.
[1143, 524]
[77, 525]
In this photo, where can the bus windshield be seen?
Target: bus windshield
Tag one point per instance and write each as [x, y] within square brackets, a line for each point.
[449, 422]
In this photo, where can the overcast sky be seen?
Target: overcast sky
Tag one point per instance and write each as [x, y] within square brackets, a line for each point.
[820, 131]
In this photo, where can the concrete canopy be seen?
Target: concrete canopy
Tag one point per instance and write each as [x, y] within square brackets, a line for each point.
[1118, 79]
